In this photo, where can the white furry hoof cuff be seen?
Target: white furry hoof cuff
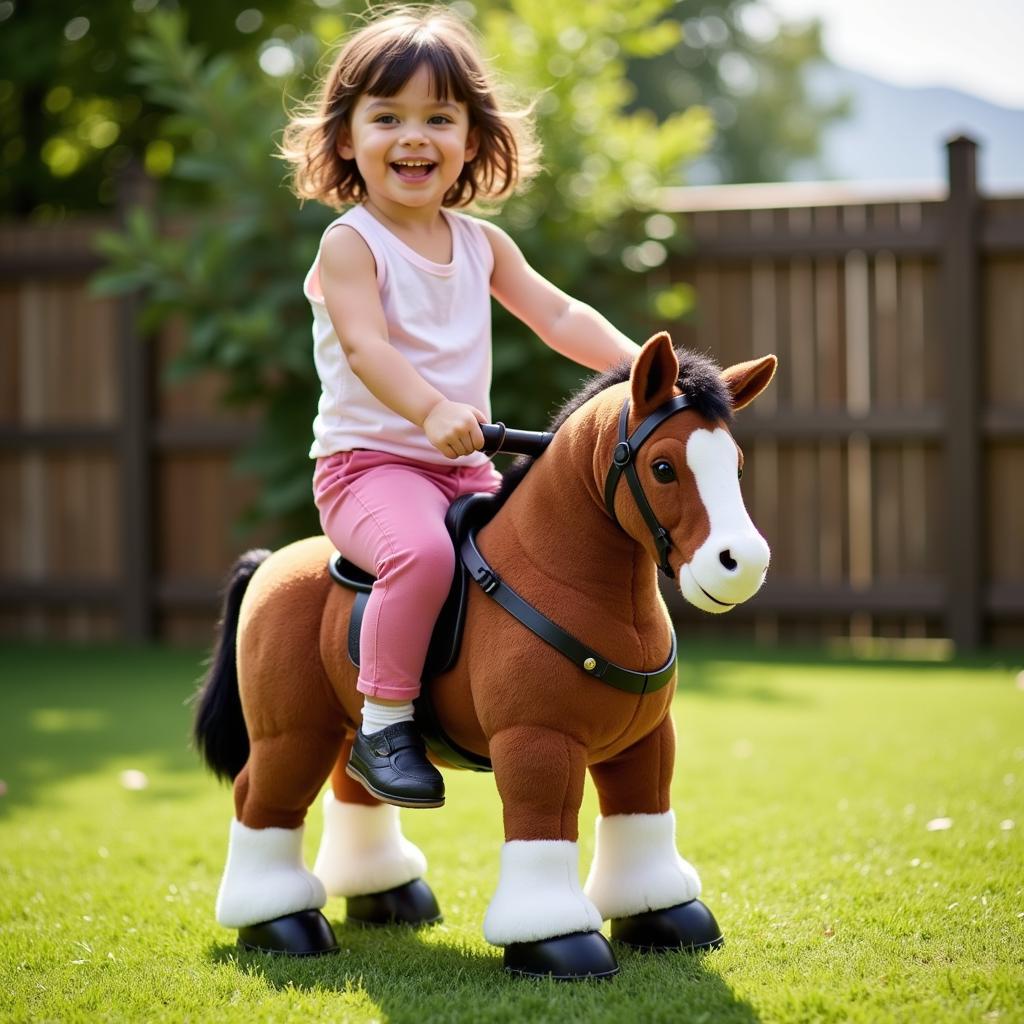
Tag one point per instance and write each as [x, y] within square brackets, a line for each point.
[265, 878]
[636, 866]
[363, 851]
[539, 894]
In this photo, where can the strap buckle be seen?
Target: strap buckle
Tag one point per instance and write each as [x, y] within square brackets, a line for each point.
[488, 580]
[663, 542]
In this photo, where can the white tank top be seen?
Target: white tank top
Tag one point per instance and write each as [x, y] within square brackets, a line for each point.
[439, 318]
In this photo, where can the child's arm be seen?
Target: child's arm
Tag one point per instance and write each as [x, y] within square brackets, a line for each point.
[348, 279]
[571, 328]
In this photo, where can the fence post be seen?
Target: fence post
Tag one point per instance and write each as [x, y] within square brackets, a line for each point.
[962, 315]
[135, 442]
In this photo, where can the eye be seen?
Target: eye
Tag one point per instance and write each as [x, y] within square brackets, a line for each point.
[440, 119]
[739, 473]
[385, 119]
[663, 471]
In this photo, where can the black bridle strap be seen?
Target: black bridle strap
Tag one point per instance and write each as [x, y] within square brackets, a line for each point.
[624, 462]
[589, 661]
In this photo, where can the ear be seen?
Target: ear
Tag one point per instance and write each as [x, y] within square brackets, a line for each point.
[746, 381]
[654, 374]
[344, 145]
[472, 143]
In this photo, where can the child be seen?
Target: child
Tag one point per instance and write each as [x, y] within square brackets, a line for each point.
[406, 127]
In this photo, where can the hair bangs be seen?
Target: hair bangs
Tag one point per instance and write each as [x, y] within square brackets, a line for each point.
[398, 62]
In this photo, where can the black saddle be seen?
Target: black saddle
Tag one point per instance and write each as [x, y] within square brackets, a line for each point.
[467, 513]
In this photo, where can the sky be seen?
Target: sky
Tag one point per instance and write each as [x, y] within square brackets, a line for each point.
[972, 45]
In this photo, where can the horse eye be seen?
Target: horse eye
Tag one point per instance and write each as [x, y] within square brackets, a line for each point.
[739, 473]
[663, 472]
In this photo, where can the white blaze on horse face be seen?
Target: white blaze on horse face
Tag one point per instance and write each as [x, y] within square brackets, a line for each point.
[730, 566]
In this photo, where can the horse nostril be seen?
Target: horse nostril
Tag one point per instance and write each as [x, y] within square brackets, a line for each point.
[727, 560]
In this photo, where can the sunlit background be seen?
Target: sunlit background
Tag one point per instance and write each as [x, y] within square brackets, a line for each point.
[752, 175]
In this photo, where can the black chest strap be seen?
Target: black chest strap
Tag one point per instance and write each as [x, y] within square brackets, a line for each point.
[587, 660]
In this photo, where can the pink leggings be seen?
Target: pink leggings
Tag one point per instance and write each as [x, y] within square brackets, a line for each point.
[385, 514]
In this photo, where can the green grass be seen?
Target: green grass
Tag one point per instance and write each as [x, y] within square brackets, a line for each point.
[803, 793]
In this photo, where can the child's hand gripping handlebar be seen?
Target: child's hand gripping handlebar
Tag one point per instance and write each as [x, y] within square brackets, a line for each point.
[499, 438]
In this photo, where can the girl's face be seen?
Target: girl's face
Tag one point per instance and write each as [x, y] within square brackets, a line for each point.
[410, 148]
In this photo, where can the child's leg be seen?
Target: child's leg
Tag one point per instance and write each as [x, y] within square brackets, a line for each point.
[390, 521]
[481, 479]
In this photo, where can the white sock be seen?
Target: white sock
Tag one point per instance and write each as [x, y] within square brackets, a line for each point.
[379, 716]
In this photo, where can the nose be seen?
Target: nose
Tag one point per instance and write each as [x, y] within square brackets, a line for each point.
[745, 555]
[732, 567]
[412, 135]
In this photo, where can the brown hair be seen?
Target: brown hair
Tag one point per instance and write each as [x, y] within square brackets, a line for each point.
[378, 60]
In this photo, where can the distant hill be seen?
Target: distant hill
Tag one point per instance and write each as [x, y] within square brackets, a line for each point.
[896, 132]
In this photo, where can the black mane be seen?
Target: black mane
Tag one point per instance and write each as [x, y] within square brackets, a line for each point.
[698, 380]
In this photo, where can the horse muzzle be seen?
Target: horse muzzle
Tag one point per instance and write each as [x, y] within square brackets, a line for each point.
[725, 571]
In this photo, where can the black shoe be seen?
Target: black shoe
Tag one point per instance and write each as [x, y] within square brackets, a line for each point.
[392, 764]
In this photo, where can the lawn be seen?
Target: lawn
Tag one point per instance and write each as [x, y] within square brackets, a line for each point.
[858, 826]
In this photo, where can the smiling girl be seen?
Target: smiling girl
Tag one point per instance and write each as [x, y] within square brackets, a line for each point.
[407, 127]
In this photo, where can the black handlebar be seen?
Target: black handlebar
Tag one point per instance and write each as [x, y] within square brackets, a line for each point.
[499, 438]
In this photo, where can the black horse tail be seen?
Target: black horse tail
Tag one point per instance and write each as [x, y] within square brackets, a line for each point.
[219, 729]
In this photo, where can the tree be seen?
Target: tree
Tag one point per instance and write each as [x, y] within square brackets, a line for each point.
[736, 60]
[590, 223]
[71, 116]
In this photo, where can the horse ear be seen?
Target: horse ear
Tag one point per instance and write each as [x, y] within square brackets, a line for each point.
[746, 381]
[654, 374]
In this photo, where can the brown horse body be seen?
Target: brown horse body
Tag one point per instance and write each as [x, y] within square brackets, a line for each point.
[542, 720]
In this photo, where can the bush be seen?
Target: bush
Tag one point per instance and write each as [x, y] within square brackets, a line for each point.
[236, 276]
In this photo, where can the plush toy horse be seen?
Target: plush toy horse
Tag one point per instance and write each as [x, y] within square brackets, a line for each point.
[566, 664]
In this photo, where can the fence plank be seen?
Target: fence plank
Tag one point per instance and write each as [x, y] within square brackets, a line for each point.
[963, 354]
[136, 483]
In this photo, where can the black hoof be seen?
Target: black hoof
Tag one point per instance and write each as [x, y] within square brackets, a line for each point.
[412, 904]
[689, 926]
[305, 933]
[565, 958]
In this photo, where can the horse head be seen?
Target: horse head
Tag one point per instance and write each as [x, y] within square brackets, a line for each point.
[673, 481]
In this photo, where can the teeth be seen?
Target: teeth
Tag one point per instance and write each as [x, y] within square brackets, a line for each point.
[414, 163]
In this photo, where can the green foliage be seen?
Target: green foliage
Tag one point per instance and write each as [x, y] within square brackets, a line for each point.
[747, 69]
[235, 269]
[203, 120]
[584, 223]
[70, 117]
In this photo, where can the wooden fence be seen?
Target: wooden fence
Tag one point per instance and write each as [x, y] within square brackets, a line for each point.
[887, 462]
[118, 501]
[886, 465]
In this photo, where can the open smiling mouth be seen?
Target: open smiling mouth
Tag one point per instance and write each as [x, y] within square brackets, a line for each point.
[413, 170]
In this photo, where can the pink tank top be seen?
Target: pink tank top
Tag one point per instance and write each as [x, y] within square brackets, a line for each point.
[438, 316]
